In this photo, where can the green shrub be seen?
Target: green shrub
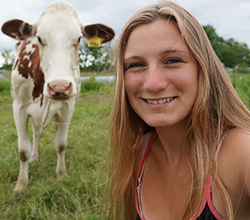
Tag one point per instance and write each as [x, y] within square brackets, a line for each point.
[92, 86]
[242, 70]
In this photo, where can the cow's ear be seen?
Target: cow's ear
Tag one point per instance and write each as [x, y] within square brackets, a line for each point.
[100, 30]
[18, 29]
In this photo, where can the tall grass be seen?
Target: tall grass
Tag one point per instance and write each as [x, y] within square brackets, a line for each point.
[79, 194]
[241, 83]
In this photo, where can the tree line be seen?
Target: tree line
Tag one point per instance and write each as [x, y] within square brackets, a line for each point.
[233, 54]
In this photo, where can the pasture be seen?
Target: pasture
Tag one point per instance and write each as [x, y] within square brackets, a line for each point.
[79, 194]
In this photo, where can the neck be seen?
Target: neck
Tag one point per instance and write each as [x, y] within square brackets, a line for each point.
[174, 143]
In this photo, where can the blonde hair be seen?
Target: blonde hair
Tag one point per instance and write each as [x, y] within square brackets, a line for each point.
[217, 110]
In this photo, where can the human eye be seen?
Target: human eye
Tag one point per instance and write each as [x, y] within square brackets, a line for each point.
[134, 65]
[173, 61]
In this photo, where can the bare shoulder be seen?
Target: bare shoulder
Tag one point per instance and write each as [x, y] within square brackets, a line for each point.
[234, 167]
[236, 146]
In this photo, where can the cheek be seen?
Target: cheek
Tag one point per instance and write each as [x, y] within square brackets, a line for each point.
[131, 85]
[192, 90]
[195, 85]
[189, 81]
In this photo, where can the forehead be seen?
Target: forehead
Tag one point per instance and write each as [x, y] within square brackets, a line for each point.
[157, 36]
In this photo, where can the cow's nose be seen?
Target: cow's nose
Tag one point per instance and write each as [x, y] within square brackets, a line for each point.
[60, 89]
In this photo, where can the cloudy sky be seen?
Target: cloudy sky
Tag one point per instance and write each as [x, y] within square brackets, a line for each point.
[230, 18]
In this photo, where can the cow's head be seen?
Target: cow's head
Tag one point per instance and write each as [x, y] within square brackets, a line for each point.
[53, 42]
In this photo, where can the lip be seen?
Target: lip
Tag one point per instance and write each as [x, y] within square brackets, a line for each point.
[159, 102]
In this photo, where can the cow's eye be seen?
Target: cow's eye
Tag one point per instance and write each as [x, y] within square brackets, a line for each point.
[79, 39]
[40, 40]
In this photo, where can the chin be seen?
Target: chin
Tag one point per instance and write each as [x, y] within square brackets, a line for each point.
[158, 123]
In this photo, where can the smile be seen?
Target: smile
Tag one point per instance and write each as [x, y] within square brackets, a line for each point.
[159, 101]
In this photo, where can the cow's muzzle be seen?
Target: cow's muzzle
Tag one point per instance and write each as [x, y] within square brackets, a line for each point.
[60, 90]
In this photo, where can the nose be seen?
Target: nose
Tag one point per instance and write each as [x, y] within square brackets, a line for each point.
[60, 89]
[155, 80]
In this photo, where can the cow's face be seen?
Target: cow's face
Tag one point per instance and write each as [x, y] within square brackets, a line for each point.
[56, 34]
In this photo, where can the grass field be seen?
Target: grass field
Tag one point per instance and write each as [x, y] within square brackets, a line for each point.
[79, 194]
[241, 83]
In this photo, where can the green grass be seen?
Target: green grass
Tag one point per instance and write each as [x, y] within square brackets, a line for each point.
[241, 83]
[79, 194]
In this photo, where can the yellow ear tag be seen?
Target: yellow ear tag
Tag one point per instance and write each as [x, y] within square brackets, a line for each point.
[94, 42]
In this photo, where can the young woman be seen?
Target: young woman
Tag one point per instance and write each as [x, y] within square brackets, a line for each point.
[180, 147]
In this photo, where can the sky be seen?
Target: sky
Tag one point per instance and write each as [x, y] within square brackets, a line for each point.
[230, 18]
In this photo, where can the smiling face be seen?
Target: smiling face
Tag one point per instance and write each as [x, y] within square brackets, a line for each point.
[161, 74]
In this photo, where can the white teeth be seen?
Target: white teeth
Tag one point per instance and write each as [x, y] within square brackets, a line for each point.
[160, 101]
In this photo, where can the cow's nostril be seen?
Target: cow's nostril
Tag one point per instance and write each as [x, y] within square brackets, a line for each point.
[68, 89]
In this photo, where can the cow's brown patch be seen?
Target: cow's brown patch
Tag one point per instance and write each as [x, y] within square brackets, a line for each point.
[28, 65]
[23, 156]
[15, 64]
[61, 148]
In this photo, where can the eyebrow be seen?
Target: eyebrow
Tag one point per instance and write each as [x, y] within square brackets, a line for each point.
[162, 53]
[173, 51]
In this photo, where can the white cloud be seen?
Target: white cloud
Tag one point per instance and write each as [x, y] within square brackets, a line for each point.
[229, 17]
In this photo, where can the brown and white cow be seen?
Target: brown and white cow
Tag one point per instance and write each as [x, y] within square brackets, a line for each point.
[46, 78]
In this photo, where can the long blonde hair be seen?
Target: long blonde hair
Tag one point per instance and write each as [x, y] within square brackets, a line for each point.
[217, 110]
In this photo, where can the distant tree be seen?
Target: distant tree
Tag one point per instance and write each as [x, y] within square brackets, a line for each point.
[234, 54]
[214, 38]
[94, 59]
[9, 58]
[230, 52]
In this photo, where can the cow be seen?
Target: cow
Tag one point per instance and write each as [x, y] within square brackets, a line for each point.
[46, 78]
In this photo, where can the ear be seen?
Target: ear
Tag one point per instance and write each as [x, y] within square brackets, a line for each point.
[100, 30]
[18, 29]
